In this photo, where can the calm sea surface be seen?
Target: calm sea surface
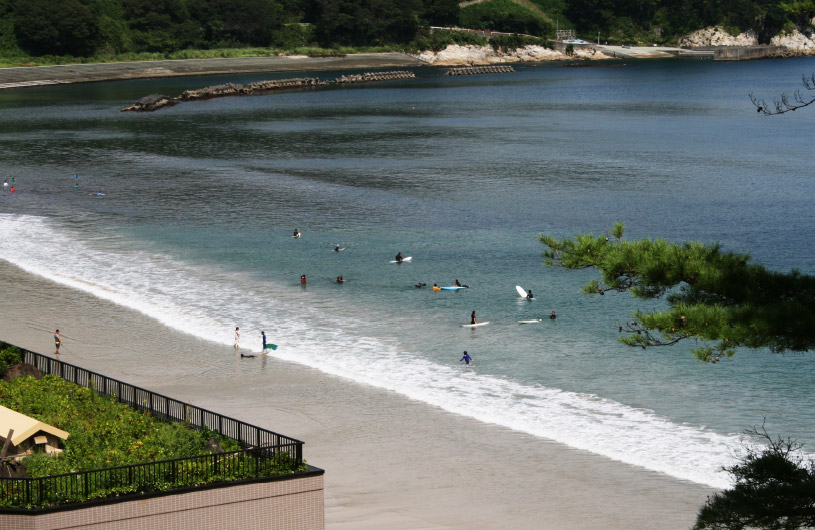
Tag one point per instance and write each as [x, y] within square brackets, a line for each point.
[200, 201]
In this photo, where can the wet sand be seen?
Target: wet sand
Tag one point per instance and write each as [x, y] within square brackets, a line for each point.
[391, 463]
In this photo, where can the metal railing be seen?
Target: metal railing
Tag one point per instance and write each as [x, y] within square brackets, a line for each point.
[126, 482]
[163, 407]
[266, 453]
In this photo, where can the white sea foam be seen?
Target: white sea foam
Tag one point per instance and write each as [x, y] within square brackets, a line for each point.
[206, 302]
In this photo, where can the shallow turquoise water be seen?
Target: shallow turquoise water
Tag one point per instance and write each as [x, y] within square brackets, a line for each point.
[462, 174]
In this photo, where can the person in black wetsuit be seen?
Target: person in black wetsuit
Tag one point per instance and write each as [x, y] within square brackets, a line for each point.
[472, 318]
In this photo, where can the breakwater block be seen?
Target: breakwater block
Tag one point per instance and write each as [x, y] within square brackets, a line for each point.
[156, 101]
[152, 102]
[369, 77]
[476, 70]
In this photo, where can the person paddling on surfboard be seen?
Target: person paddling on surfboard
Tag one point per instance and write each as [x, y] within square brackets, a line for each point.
[529, 295]
[472, 318]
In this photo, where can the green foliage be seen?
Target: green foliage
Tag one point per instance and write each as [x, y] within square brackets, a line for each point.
[513, 42]
[366, 22]
[504, 16]
[440, 12]
[62, 28]
[9, 356]
[103, 433]
[713, 296]
[439, 40]
[774, 489]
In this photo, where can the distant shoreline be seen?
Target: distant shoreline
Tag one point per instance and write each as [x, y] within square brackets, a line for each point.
[23, 76]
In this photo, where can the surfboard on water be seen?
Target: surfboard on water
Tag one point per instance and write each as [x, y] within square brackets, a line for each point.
[403, 260]
[270, 347]
[474, 325]
[521, 291]
[454, 287]
[530, 321]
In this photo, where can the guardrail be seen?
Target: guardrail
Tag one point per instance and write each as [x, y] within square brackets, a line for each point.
[163, 407]
[267, 454]
[127, 482]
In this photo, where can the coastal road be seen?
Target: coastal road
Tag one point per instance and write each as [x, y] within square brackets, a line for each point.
[82, 73]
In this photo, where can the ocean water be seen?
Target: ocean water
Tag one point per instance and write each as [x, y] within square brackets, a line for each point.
[200, 202]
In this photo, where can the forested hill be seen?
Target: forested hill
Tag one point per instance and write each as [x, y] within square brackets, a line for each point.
[84, 28]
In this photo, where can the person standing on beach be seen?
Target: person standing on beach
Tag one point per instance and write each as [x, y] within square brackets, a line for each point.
[237, 338]
[466, 358]
[57, 342]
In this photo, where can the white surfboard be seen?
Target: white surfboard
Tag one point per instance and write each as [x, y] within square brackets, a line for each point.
[521, 291]
[474, 325]
[530, 321]
[403, 260]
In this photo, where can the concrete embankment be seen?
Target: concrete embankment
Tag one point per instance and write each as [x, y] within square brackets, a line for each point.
[81, 73]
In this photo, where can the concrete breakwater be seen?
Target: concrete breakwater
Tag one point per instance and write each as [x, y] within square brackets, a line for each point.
[157, 101]
[375, 76]
[475, 70]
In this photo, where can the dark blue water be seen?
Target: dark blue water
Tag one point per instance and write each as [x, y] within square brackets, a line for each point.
[200, 201]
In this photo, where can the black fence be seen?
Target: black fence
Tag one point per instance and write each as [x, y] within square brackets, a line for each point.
[266, 453]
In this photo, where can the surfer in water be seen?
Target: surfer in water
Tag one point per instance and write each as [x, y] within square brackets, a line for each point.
[457, 284]
[263, 334]
[303, 280]
[399, 257]
[420, 285]
[296, 233]
[466, 358]
[339, 279]
[337, 248]
[472, 319]
[237, 338]
[554, 316]
[529, 295]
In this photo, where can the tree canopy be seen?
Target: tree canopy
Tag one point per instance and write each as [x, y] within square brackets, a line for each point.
[774, 489]
[714, 297]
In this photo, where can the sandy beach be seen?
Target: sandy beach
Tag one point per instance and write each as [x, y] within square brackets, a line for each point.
[390, 462]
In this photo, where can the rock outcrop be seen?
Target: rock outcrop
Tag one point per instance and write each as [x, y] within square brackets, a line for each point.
[457, 55]
[717, 36]
[797, 42]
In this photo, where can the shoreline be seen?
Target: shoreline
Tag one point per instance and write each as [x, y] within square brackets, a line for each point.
[453, 56]
[390, 462]
[23, 76]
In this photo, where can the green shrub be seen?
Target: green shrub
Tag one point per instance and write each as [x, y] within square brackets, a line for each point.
[504, 16]
[9, 356]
